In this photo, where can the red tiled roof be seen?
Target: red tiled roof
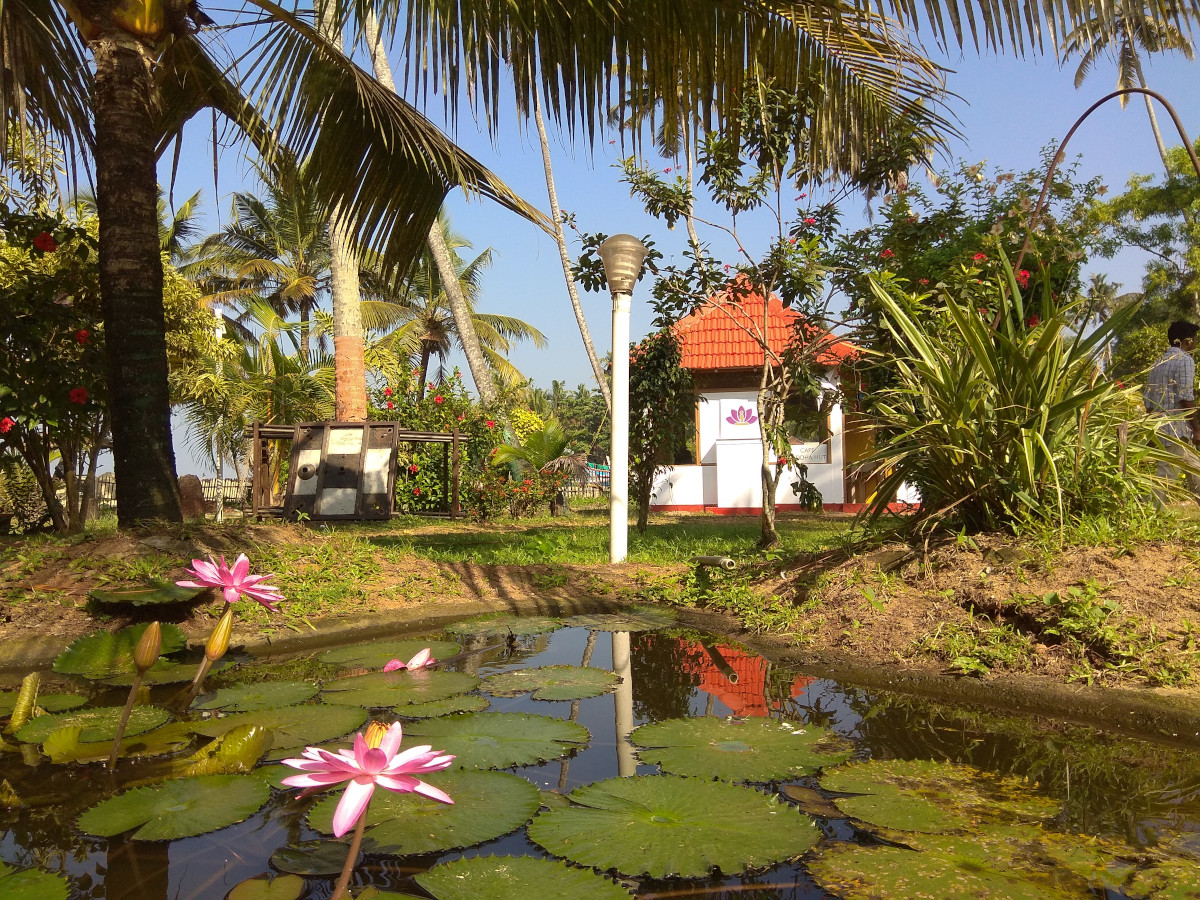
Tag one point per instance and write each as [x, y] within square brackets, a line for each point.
[747, 696]
[715, 336]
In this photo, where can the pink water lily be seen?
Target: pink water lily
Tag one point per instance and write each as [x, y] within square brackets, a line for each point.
[421, 660]
[233, 582]
[375, 760]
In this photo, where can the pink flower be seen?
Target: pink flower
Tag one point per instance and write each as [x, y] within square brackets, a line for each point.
[1023, 278]
[391, 405]
[6, 424]
[667, 171]
[439, 400]
[233, 582]
[490, 423]
[886, 254]
[45, 242]
[923, 281]
[387, 392]
[979, 257]
[802, 196]
[810, 221]
[423, 659]
[78, 395]
[375, 760]
[81, 336]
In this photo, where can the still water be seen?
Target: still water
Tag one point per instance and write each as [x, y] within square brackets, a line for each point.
[1139, 795]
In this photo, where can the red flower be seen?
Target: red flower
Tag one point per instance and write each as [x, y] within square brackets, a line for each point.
[413, 468]
[78, 395]
[810, 221]
[490, 424]
[782, 461]
[1034, 320]
[983, 312]
[923, 281]
[911, 219]
[45, 242]
[82, 335]
[391, 405]
[387, 392]
[6, 425]
[526, 481]
[979, 257]
[438, 400]
[1023, 278]
[461, 416]
[791, 240]
[416, 492]
[887, 254]
[802, 196]
[1120, 384]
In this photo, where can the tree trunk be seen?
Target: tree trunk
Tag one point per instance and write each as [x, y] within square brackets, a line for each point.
[131, 282]
[565, 256]
[459, 309]
[426, 353]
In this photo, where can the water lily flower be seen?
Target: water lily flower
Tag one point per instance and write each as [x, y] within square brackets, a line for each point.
[423, 659]
[235, 582]
[375, 760]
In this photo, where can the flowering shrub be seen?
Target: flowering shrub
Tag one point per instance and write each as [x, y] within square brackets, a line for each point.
[494, 492]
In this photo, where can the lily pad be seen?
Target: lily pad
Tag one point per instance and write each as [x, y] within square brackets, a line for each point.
[738, 750]
[552, 682]
[463, 703]
[64, 746]
[235, 752]
[640, 619]
[264, 695]
[516, 878]
[264, 887]
[312, 858]
[165, 672]
[383, 689]
[31, 884]
[50, 703]
[932, 797]
[108, 653]
[150, 595]
[181, 808]
[97, 724]
[293, 726]
[486, 805]
[499, 740]
[378, 654]
[1177, 879]
[664, 825]
[501, 626]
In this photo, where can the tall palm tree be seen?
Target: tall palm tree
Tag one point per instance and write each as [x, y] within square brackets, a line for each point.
[1125, 34]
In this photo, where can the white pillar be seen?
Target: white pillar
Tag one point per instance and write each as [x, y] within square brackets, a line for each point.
[618, 488]
[623, 667]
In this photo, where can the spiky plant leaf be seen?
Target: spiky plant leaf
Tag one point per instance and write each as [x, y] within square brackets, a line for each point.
[516, 878]
[667, 826]
[499, 740]
[181, 808]
[552, 682]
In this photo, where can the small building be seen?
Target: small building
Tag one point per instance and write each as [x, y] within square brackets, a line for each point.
[720, 470]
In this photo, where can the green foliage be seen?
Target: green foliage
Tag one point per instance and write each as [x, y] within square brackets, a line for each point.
[1138, 350]
[662, 408]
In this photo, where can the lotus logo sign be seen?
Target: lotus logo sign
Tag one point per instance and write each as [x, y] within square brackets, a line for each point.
[741, 415]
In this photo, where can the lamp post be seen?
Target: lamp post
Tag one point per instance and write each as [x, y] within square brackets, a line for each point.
[622, 255]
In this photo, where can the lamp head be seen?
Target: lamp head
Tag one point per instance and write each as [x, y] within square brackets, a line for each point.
[622, 255]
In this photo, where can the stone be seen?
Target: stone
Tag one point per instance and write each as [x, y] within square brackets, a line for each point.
[191, 497]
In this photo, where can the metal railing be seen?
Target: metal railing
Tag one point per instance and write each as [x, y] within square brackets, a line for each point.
[233, 492]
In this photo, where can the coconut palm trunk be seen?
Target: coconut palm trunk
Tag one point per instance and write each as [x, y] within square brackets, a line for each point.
[485, 385]
[564, 255]
[131, 280]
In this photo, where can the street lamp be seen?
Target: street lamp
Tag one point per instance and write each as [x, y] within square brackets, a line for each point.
[622, 255]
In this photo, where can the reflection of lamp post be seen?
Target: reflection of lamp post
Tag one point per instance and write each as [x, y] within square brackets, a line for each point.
[623, 667]
[622, 255]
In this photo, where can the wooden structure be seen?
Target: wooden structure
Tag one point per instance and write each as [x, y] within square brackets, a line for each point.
[342, 471]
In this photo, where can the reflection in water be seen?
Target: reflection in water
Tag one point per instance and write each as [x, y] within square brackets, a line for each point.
[1139, 792]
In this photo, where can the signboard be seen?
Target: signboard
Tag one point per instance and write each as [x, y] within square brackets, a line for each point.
[739, 419]
[812, 453]
[342, 470]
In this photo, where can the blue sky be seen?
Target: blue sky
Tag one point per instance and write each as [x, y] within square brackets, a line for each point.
[1007, 110]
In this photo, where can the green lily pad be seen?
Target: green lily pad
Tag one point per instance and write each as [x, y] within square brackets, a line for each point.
[293, 726]
[31, 884]
[640, 619]
[378, 654]
[50, 703]
[463, 703]
[738, 750]
[499, 740]
[150, 595]
[664, 825]
[486, 805]
[165, 672]
[312, 858]
[383, 689]
[516, 878]
[552, 682]
[264, 887]
[64, 746]
[1176, 879]
[108, 653]
[932, 797]
[97, 724]
[264, 695]
[180, 808]
[502, 626]
[235, 752]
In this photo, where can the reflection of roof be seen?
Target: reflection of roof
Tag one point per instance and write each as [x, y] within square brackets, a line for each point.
[715, 336]
[748, 697]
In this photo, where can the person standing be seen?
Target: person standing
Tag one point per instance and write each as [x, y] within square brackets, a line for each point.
[1170, 392]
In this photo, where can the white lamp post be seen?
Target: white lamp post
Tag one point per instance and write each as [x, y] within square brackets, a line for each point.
[622, 255]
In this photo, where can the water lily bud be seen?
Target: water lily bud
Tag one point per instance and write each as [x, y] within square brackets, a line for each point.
[146, 653]
[218, 641]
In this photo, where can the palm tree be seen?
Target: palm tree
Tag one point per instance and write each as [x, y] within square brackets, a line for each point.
[1124, 34]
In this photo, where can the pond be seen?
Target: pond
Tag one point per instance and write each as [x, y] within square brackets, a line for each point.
[657, 761]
